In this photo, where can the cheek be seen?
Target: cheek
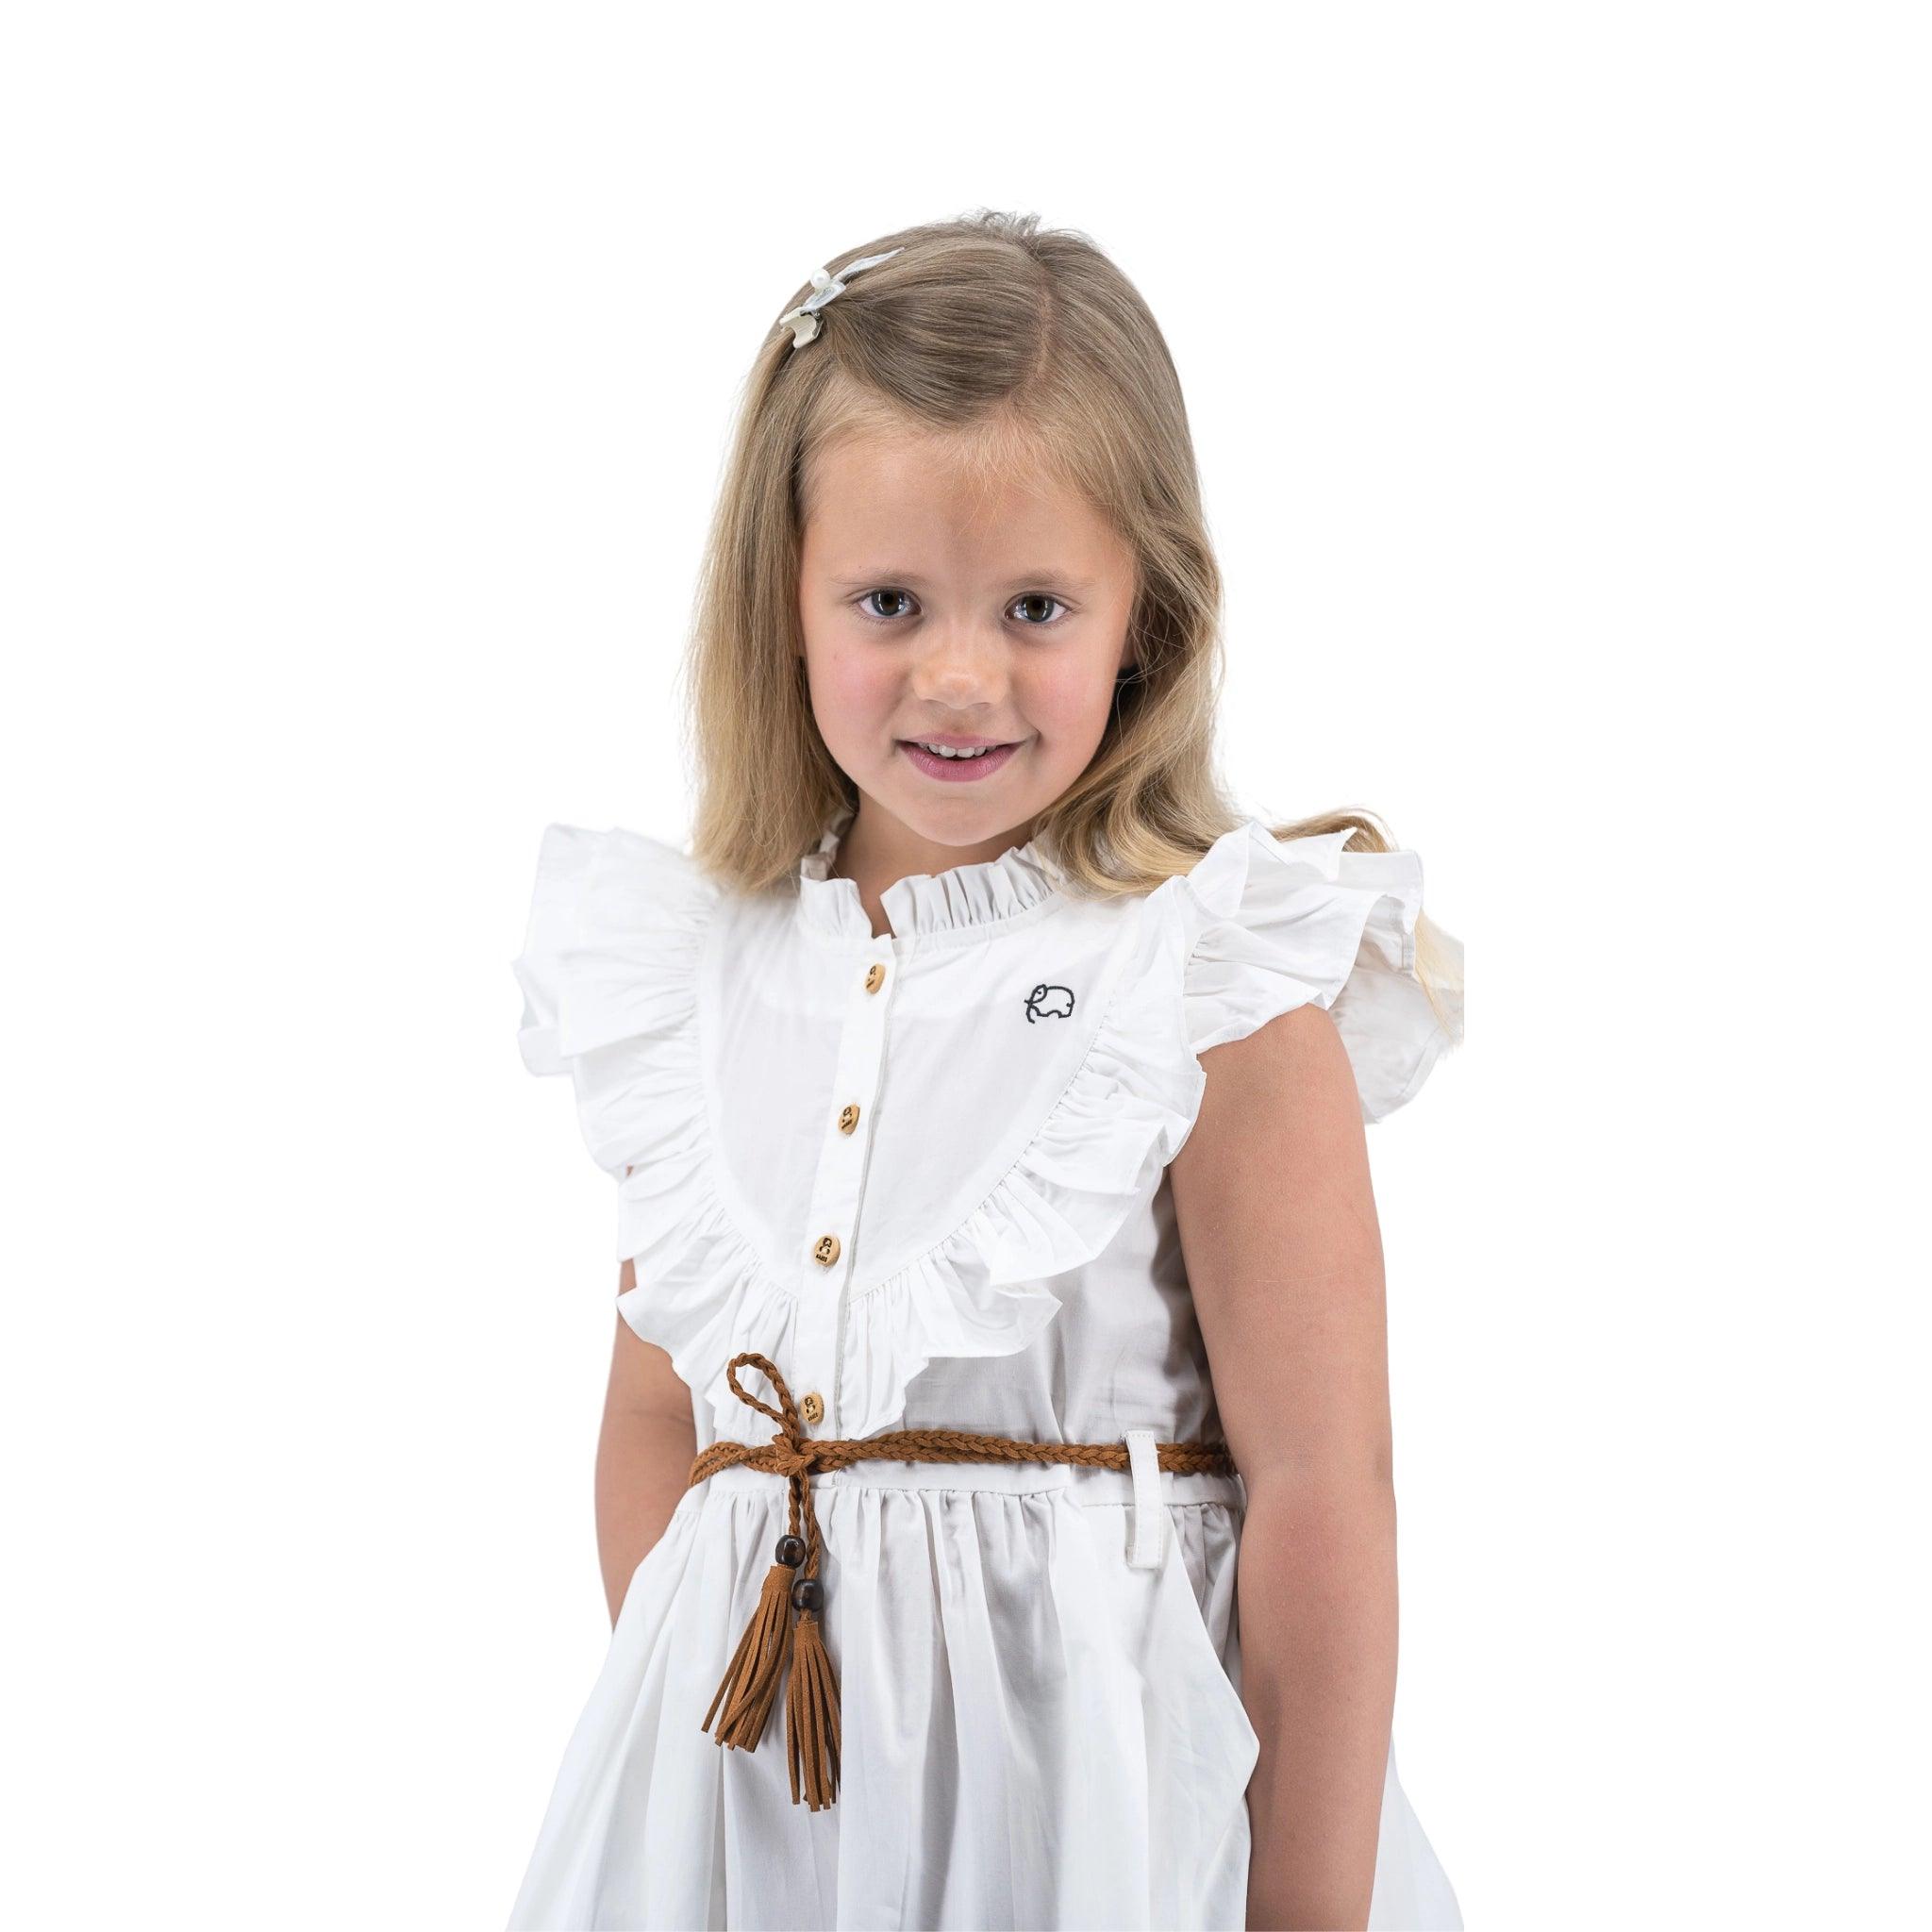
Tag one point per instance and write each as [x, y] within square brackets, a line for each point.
[851, 689]
[1068, 698]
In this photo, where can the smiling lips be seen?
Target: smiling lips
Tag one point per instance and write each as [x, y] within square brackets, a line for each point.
[957, 760]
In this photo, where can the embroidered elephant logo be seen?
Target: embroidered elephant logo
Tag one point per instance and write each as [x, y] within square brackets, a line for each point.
[1049, 1002]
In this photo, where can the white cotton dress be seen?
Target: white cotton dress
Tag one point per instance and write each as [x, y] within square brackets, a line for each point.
[1038, 1664]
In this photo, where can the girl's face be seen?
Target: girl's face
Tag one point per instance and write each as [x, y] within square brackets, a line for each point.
[939, 609]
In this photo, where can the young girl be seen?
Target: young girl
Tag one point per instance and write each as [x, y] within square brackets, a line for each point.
[985, 1095]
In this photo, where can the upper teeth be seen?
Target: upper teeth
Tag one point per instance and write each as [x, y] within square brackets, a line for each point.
[947, 751]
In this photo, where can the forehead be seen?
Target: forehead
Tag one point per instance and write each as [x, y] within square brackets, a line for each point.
[885, 493]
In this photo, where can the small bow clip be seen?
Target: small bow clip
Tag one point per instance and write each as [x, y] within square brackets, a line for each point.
[825, 286]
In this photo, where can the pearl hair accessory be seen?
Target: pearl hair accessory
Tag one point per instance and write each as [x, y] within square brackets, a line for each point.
[824, 284]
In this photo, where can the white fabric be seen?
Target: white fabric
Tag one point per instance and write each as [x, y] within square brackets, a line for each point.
[1150, 1512]
[1038, 1731]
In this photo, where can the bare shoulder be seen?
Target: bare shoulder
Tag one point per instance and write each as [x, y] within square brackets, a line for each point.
[1285, 1091]
[1277, 1224]
[1271, 1194]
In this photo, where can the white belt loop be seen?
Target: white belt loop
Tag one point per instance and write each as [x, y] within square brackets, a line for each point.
[1150, 1513]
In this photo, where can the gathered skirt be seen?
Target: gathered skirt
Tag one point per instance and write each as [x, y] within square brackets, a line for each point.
[1035, 1732]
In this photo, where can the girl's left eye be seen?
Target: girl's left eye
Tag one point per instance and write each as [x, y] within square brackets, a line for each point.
[1033, 597]
[1041, 597]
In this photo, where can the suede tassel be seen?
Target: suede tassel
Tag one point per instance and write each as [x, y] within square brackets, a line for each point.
[751, 1679]
[772, 1641]
[811, 1715]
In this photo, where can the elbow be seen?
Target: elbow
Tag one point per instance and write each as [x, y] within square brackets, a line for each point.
[1347, 1461]
[1342, 1500]
[1318, 1554]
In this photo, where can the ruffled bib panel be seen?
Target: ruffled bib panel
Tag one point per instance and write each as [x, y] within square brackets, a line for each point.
[627, 941]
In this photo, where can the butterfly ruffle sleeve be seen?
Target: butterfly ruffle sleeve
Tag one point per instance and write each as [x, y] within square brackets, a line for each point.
[1275, 923]
[608, 971]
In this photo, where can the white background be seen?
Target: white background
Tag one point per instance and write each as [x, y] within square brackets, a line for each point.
[1559, 378]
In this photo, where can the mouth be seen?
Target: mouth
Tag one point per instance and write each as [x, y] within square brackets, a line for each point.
[958, 760]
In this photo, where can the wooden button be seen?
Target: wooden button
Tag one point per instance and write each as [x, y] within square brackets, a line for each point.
[875, 976]
[812, 1407]
[848, 1117]
[825, 1250]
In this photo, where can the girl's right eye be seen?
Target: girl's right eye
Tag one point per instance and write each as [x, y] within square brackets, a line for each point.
[881, 617]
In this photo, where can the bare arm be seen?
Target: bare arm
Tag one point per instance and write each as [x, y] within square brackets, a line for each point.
[644, 1451]
[1277, 1222]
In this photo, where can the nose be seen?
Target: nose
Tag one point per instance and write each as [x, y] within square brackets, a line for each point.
[959, 665]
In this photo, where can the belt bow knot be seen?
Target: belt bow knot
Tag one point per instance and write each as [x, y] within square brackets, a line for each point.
[789, 1456]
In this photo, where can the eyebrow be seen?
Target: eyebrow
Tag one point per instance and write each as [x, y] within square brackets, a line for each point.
[1052, 579]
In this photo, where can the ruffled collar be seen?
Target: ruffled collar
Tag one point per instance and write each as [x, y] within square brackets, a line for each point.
[962, 898]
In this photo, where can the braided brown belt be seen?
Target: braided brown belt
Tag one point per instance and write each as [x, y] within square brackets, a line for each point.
[812, 1700]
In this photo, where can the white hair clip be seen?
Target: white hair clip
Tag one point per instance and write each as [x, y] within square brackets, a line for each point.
[824, 284]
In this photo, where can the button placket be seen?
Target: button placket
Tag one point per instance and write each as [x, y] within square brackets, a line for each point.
[828, 1242]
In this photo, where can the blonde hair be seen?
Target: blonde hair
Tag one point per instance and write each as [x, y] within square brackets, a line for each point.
[1017, 344]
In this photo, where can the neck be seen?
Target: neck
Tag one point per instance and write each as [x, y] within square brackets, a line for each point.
[874, 849]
